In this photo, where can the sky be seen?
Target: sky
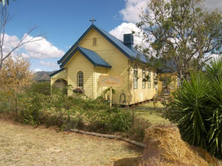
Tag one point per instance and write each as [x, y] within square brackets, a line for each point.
[63, 21]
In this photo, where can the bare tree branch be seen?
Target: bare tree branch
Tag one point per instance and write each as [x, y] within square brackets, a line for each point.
[5, 18]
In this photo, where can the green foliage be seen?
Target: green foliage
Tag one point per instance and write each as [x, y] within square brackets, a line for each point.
[39, 87]
[180, 33]
[35, 107]
[197, 109]
[108, 90]
[30, 107]
[103, 118]
[137, 131]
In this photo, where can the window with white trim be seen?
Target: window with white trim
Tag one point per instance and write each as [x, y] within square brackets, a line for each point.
[80, 79]
[144, 79]
[149, 80]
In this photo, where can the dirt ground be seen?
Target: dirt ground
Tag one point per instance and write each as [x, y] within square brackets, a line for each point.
[28, 146]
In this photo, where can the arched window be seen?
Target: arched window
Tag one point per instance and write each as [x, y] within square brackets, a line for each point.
[80, 79]
[135, 77]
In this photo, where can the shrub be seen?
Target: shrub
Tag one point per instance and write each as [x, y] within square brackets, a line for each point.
[30, 107]
[39, 87]
[108, 120]
[197, 109]
[137, 131]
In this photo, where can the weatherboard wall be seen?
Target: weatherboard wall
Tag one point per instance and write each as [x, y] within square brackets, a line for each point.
[121, 66]
[140, 94]
[111, 55]
[79, 63]
[61, 75]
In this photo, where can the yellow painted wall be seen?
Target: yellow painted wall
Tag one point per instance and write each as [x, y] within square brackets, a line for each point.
[113, 56]
[140, 94]
[121, 66]
[60, 75]
[98, 90]
[79, 63]
[172, 85]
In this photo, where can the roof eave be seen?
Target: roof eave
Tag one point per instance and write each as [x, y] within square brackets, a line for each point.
[78, 49]
[74, 45]
[108, 67]
[56, 72]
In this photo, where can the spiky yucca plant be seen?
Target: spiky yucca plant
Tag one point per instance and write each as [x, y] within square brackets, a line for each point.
[197, 109]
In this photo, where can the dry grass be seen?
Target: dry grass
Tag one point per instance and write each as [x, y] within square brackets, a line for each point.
[25, 145]
[166, 148]
[152, 115]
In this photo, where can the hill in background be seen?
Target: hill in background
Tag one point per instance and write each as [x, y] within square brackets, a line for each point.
[42, 76]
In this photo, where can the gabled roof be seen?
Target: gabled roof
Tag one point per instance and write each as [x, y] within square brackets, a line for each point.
[56, 72]
[92, 56]
[132, 54]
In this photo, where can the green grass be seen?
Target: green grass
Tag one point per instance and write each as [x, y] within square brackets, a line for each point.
[150, 105]
[152, 115]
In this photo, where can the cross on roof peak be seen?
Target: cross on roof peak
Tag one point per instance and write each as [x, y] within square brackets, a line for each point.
[92, 20]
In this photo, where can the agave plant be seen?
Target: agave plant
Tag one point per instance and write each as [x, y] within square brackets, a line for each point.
[197, 109]
[188, 110]
[214, 136]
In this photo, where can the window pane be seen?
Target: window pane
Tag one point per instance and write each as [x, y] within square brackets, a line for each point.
[149, 82]
[143, 80]
[80, 79]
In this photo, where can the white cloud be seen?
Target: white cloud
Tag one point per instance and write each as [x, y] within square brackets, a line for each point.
[41, 49]
[10, 41]
[37, 69]
[125, 28]
[49, 64]
[132, 10]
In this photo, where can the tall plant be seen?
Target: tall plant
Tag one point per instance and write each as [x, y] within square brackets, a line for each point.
[197, 109]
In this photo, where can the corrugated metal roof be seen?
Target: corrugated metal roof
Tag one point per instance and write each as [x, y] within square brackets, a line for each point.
[56, 72]
[92, 56]
[132, 54]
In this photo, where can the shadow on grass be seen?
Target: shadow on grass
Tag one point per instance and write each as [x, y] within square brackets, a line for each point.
[133, 161]
[127, 162]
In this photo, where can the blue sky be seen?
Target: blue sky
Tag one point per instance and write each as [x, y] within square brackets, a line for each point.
[64, 21]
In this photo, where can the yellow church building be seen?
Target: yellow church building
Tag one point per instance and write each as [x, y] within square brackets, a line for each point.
[97, 53]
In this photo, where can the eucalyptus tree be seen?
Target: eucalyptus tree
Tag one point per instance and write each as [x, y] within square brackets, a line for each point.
[182, 35]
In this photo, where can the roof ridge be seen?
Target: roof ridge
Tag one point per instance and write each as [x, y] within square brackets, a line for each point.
[128, 52]
[108, 33]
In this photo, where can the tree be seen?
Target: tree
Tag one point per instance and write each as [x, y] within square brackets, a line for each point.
[5, 18]
[15, 76]
[182, 35]
[5, 1]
